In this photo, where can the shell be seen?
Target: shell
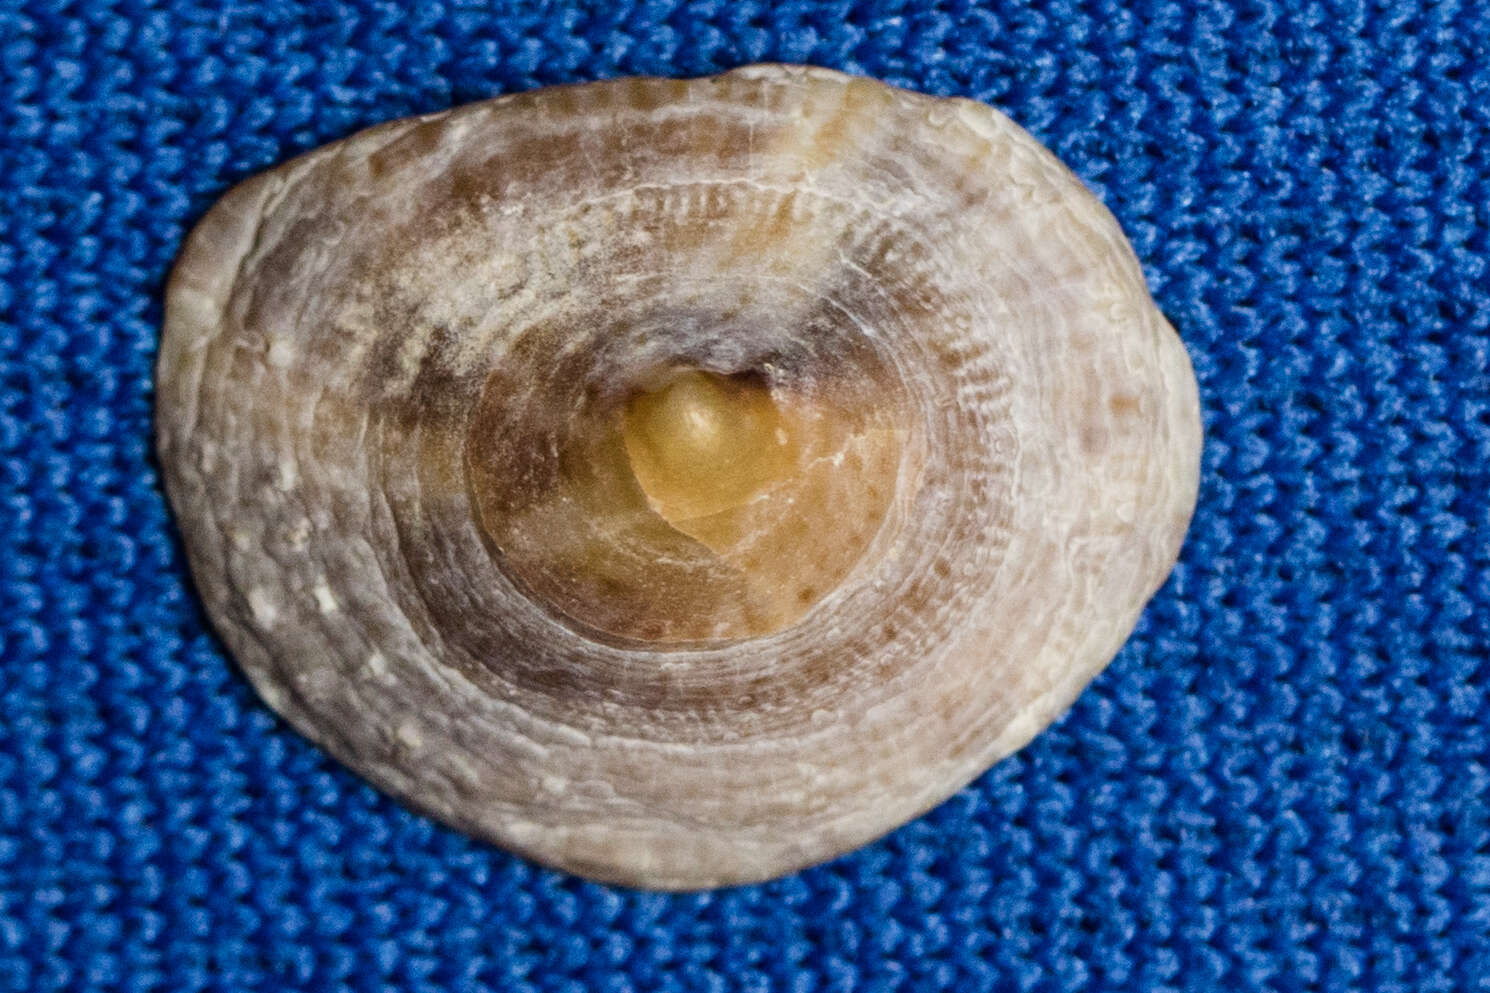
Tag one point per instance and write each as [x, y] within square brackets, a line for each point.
[677, 482]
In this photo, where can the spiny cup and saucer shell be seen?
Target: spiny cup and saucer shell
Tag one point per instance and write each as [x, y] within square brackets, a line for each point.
[677, 482]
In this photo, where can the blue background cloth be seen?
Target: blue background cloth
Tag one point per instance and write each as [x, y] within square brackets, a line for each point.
[1280, 784]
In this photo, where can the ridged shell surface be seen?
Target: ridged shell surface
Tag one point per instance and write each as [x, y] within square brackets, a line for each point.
[677, 482]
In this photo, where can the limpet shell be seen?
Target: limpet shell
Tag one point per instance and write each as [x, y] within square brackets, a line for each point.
[676, 482]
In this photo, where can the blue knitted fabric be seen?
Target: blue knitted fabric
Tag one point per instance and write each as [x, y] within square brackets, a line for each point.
[1280, 783]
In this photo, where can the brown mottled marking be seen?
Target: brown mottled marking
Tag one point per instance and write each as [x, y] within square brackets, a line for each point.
[417, 142]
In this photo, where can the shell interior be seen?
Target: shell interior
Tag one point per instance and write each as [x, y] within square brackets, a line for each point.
[679, 482]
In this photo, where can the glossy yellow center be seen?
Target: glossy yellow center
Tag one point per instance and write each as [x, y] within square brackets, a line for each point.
[701, 444]
[784, 493]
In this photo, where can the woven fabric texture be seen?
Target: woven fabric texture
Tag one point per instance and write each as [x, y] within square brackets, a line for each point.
[1280, 784]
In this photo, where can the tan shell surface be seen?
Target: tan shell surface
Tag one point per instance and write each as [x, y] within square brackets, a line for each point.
[390, 398]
